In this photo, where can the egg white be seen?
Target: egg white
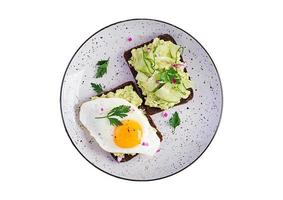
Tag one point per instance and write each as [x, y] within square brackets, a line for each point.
[103, 132]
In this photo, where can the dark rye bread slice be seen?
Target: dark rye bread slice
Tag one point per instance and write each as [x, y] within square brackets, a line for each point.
[128, 157]
[127, 55]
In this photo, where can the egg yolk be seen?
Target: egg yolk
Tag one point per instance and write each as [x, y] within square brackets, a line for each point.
[128, 135]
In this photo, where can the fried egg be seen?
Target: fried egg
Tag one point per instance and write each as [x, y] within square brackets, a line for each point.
[134, 135]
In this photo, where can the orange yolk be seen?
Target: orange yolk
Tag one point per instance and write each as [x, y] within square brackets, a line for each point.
[128, 135]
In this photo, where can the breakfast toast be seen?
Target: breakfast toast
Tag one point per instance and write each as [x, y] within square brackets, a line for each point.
[127, 157]
[127, 55]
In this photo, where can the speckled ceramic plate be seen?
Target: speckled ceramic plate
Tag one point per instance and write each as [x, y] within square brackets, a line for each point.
[200, 116]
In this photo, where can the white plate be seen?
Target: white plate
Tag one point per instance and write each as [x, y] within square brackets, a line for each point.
[200, 117]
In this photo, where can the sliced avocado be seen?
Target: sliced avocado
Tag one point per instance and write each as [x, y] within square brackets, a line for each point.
[182, 89]
[168, 93]
[151, 84]
[141, 77]
[138, 62]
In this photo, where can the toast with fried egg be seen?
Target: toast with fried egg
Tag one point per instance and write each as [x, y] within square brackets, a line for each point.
[120, 157]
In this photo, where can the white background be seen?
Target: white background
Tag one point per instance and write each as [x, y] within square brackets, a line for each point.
[37, 159]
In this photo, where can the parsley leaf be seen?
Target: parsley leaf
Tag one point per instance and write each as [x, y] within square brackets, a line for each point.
[97, 88]
[114, 122]
[120, 111]
[102, 68]
[170, 76]
[175, 121]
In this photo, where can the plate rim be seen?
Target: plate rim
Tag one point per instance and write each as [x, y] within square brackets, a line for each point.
[62, 83]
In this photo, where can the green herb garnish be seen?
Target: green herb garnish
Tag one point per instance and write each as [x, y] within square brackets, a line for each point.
[102, 68]
[170, 76]
[175, 121]
[97, 88]
[120, 111]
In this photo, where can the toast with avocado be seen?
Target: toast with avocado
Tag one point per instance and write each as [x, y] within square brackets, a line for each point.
[160, 72]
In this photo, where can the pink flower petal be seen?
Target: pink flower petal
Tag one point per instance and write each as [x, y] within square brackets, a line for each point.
[178, 65]
[130, 39]
[144, 144]
[174, 81]
[165, 114]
